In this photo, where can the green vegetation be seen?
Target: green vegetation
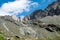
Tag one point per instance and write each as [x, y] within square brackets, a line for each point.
[1, 36]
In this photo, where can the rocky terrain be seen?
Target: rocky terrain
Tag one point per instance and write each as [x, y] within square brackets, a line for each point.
[40, 25]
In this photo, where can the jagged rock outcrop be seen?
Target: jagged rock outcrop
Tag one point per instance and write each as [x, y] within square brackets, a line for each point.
[53, 9]
[38, 14]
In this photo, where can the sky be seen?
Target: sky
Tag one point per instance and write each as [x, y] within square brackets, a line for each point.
[22, 7]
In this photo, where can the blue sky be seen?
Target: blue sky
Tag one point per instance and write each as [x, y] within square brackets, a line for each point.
[42, 4]
[4, 1]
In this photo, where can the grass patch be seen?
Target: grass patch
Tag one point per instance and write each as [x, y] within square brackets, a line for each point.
[1, 37]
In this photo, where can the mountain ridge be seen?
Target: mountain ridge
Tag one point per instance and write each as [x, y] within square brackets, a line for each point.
[40, 25]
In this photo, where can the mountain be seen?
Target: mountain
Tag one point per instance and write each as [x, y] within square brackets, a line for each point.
[54, 9]
[51, 10]
[40, 25]
[32, 29]
[38, 14]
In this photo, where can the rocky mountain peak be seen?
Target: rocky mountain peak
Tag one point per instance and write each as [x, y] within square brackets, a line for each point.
[51, 10]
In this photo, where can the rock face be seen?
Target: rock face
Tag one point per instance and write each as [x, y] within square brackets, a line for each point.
[42, 24]
[54, 9]
[38, 14]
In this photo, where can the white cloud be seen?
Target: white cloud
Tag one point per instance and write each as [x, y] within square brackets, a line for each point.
[2, 13]
[18, 6]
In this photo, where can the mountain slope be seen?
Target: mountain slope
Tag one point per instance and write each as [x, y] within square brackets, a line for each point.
[40, 25]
